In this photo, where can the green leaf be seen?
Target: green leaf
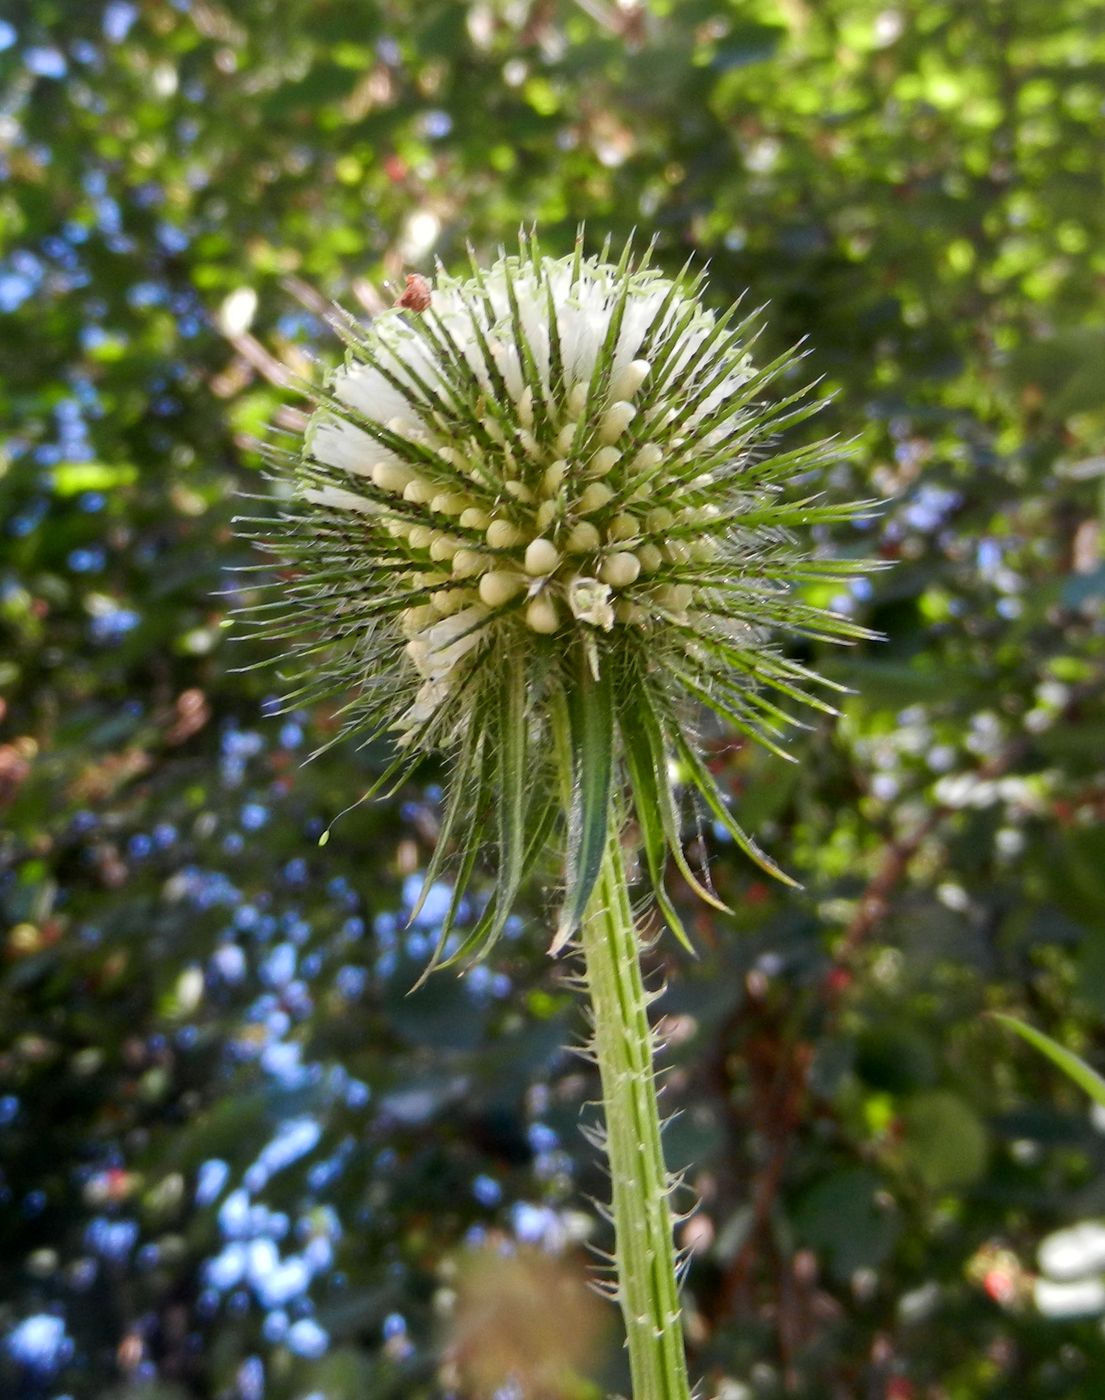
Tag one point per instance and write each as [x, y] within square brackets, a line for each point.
[653, 734]
[726, 709]
[458, 802]
[944, 1140]
[530, 371]
[711, 794]
[1072, 1066]
[844, 1218]
[509, 790]
[646, 805]
[513, 778]
[591, 723]
[460, 886]
[72, 478]
[1090, 964]
[403, 764]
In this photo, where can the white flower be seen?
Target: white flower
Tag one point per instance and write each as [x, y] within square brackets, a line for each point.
[589, 601]
[336, 498]
[1083, 1298]
[546, 499]
[1074, 1252]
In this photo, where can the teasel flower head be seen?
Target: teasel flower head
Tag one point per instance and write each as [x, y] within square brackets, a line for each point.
[542, 522]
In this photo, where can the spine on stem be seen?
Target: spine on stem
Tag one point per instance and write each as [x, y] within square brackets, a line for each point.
[647, 1287]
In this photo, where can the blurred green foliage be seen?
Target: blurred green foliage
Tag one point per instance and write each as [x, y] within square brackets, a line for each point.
[236, 1159]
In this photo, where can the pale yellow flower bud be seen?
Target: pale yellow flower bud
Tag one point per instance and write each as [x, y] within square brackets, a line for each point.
[498, 587]
[503, 534]
[392, 476]
[615, 421]
[620, 570]
[554, 476]
[418, 492]
[542, 557]
[583, 538]
[623, 527]
[577, 398]
[542, 615]
[594, 497]
[628, 380]
[442, 548]
[603, 461]
[469, 562]
[648, 457]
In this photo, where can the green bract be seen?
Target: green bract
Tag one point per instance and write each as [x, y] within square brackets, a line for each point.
[541, 522]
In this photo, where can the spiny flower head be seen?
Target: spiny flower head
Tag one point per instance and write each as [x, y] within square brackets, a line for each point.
[541, 522]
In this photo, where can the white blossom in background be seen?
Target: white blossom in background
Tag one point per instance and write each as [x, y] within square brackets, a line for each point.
[551, 499]
[1071, 1282]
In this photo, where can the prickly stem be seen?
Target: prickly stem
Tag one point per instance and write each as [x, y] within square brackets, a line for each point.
[622, 1042]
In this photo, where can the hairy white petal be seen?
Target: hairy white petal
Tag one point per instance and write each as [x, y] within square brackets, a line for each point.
[369, 393]
[336, 498]
[430, 697]
[451, 639]
[336, 443]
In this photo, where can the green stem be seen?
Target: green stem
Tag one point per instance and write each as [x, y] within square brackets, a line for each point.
[644, 1248]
